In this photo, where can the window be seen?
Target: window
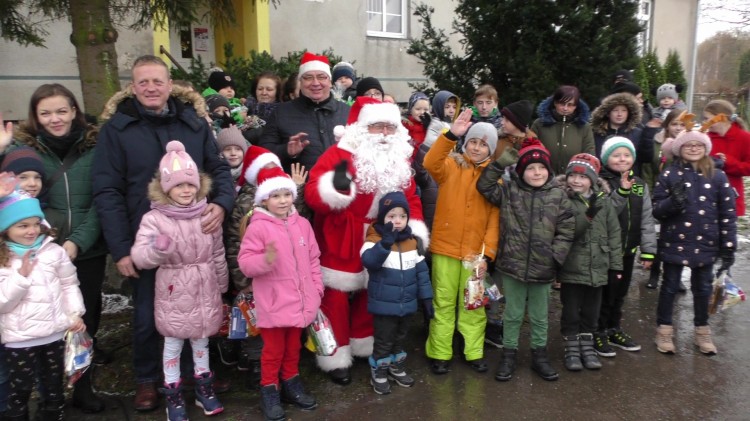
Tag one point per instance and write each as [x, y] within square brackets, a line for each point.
[386, 18]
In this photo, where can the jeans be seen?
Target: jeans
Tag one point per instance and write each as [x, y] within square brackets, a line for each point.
[146, 340]
[701, 279]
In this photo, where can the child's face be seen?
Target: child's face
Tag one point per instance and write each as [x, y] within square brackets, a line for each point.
[266, 90]
[667, 102]
[675, 128]
[420, 107]
[397, 216]
[579, 183]
[477, 149]
[233, 154]
[620, 160]
[535, 174]
[279, 203]
[618, 115]
[183, 194]
[510, 128]
[693, 151]
[25, 231]
[227, 92]
[344, 82]
[484, 105]
[30, 182]
[719, 128]
[449, 109]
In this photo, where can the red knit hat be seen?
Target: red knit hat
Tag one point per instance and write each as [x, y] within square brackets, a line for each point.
[586, 164]
[533, 151]
[312, 62]
[255, 159]
[270, 180]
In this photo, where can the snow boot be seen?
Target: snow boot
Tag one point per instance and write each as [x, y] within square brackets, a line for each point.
[397, 373]
[507, 365]
[588, 354]
[663, 341]
[703, 340]
[270, 403]
[51, 411]
[292, 391]
[205, 396]
[540, 364]
[176, 410]
[84, 397]
[379, 375]
[572, 353]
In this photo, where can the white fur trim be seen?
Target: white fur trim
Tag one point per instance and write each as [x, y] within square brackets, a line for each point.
[342, 358]
[361, 347]
[372, 213]
[344, 281]
[379, 113]
[271, 185]
[419, 229]
[314, 65]
[331, 196]
[338, 132]
[251, 173]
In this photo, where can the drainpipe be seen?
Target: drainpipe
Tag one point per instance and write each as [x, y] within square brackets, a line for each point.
[693, 64]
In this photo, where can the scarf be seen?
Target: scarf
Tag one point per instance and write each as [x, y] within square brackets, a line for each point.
[181, 212]
[61, 145]
[21, 249]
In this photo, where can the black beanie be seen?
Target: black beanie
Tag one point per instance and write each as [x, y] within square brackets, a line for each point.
[519, 113]
[215, 101]
[622, 74]
[626, 87]
[368, 83]
[22, 159]
[219, 80]
[392, 200]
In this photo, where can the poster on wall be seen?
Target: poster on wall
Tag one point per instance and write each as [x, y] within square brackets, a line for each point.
[200, 36]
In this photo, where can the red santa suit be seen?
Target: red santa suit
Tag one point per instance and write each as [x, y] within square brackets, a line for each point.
[341, 220]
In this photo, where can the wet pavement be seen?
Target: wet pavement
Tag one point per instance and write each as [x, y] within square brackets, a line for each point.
[633, 385]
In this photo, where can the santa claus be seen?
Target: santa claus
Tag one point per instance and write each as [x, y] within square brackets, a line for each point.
[370, 159]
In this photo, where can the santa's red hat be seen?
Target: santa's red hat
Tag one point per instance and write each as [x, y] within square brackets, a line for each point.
[312, 62]
[255, 159]
[270, 180]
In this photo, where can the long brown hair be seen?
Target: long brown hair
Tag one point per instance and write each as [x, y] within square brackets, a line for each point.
[49, 90]
[5, 252]
[720, 106]
[704, 166]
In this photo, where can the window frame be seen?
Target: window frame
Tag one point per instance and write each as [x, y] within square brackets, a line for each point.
[384, 15]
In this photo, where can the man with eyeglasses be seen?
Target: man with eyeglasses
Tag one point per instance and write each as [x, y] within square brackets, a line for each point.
[302, 129]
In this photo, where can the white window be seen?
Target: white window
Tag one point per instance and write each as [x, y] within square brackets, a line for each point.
[386, 18]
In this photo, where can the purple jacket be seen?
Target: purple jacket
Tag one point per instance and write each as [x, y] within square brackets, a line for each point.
[288, 291]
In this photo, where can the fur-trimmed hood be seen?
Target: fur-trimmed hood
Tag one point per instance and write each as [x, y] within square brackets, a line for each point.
[600, 116]
[546, 107]
[23, 136]
[156, 194]
[464, 162]
[179, 94]
[601, 185]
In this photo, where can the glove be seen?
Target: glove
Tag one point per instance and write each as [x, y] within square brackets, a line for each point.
[429, 310]
[727, 260]
[389, 236]
[679, 196]
[593, 209]
[162, 242]
[425, 119]
[614, 276]
[340, 179]
[508, 158]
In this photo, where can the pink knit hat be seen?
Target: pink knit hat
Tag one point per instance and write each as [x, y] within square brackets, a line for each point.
[176, 167]
[688, 136]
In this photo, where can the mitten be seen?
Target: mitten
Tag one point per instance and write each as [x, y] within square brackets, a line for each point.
[162, 242]
[727, 260]
[425, 119]
[340, 179]
[614, 276]
[429, 309]
[389, 236]
[679, 196]
[508, 158]
[593, 209]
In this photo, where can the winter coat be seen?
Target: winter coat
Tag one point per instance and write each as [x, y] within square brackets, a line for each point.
[42, 304]
[661, 113]
[735, 145]
[440, 122]
[650, 172]
[694, 236]
[635, 213]
[428, 188]
[288, 291]
[596, 246]
[399, 276]
[303, 115]
[464, 221]
[563, 136]
[538, 225]
[69, 204]
[642, 137]
[416, 131]
[127, 154]
[192, 271]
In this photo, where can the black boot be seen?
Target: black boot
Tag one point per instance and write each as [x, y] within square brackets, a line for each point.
[51, 411]
[653, 279]
[540, 364]
[588, 353]
[270, 403]
[507, 365]
[573, 353]
[84, 397]
[292, 391]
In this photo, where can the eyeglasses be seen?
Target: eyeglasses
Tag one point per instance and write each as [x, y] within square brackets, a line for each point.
[695, 146]
[321, 77]
[375, 94]
[379, 127]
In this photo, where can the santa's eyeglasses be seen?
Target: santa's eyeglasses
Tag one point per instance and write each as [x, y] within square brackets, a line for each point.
[380, 127]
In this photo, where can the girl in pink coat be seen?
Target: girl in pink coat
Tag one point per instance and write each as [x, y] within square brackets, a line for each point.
[280, 253]
[191, 276]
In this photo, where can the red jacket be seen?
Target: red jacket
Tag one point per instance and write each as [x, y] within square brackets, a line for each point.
[416, 131]
[735, 145]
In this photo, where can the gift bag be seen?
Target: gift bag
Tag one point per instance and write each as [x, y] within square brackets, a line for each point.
[246, 305]
[226, 320]
[725, 294]
[717, 296]
[78, 352]
[321, 334]
[474, 292]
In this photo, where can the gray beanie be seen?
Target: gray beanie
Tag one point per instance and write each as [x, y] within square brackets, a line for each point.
[667, 90]
[485, 131]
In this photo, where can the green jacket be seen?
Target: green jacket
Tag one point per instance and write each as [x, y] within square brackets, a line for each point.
[68, 204]
[596, 248]
[563, 136]
[537, 225]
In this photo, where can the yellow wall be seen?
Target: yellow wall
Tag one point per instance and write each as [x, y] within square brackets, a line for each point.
[161, 37]
[252, 31]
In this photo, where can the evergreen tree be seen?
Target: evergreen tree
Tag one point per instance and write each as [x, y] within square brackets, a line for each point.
[744, 76]
[674, 72]
[640, 77]
[527, 48]
[654, 75]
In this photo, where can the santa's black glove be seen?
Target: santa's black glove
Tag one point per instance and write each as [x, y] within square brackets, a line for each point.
[614, 276]
[593, 209]
[429, 309]
[425, 119]
[679, 196]
[340, 180]
[727, 260]
[388, 236]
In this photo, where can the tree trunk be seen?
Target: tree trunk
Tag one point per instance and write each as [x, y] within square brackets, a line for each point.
[94, 37]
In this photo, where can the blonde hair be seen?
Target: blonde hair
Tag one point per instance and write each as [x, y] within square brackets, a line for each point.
[720, 106]
[705, 166]
[486, 90]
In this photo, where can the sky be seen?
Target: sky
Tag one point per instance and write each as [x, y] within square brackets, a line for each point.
[713, 21]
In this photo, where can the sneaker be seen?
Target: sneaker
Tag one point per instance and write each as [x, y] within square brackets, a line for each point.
[493, 335]
[227, 351]
[602, 346]
[622, 340]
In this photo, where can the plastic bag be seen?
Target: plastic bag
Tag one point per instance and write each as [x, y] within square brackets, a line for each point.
[320, 333]
[242, 318]
[725, 294]
[474, 292]
[79, 349]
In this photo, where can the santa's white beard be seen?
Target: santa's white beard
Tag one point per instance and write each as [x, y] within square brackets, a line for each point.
[383, 166]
